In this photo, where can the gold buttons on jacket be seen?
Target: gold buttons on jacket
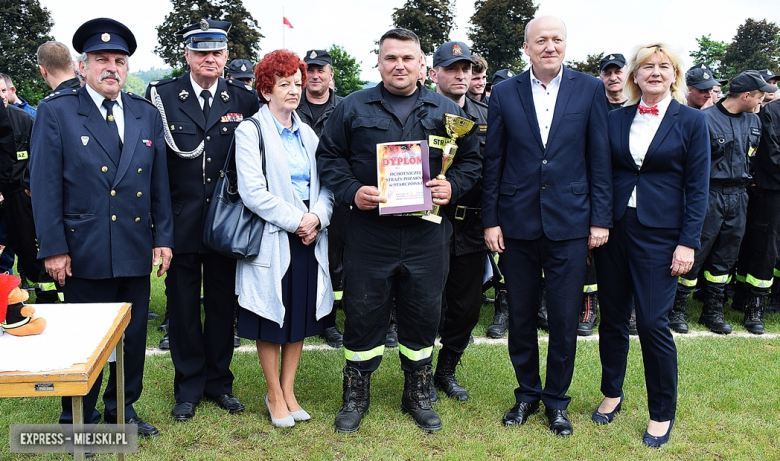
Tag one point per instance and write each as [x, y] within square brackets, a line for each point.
[139, 194]
[208, 159]
[113, 192]
[208, 138]
[104, 169]
[113, 217]
[208, 180]
[137, 219]
[140, 170]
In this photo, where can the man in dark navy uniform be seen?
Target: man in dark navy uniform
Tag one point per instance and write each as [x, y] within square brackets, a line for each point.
[101, 200]
[200, 112]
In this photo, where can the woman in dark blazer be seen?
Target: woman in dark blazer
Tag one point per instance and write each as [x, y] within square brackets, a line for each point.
[660, 178]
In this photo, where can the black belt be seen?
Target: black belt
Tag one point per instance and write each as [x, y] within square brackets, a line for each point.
[463, 212]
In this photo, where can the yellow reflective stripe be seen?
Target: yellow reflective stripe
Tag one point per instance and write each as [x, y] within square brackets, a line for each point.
[415, 356]
[777, 272]
[728, 280]
[758, 283]
[61, 296]
[49, 286]
[686, 282]
[741, 278]
[591, 288]
[715, 278]
[362, 356]
[338, 294]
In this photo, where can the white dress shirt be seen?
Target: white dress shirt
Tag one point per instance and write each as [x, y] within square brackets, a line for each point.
[118, 110]
[643, 130]
[199, 89]
[545, 97]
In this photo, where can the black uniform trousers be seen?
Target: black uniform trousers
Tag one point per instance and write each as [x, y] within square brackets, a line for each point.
[564, 265]
[335, 253]
[381, 260]
[635, 265]
[463, 297]
[761, 250]
[134, 290]
[21, 238]
[721, 235]
[201, 353]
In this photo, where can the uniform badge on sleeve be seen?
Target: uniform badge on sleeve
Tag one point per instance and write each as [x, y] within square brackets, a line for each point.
[232, 117]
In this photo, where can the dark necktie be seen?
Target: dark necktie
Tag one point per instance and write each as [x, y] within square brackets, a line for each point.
[206, 95]
[113, 130]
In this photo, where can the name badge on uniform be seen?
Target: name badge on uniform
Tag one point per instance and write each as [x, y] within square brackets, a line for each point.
[231, 117]
[437, 141]
[755, 131]
[482, 129]
[22, 155]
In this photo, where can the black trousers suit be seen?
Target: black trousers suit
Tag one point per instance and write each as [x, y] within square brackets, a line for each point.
[634, 263]
[564, 266]
[134, 290]
[201, 353]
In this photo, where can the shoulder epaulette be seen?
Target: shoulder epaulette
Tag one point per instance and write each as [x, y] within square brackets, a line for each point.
[163, 81]
[479, 103]
[140, 98]
[241, 85]
[60, 93]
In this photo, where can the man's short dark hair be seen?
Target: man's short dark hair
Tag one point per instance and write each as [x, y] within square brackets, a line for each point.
[55, 57]
[405, 35]
[754, 93]
[478, 64]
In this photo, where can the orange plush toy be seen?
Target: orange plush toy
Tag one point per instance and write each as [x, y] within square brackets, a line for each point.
[16, 318]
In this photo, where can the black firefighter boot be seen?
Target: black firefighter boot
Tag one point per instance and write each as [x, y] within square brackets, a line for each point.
[355, 400]
[445, 379]
[501, 317]
[416, 400]
[589, 314]
[712, 314]
[754, 314]
[678, 313]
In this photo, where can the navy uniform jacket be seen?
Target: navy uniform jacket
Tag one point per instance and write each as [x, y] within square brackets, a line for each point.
[559, 190]
[673, 182]
[107, 217]
[192, 181]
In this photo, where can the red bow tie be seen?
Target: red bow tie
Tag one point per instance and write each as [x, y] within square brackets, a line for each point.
[648, 110]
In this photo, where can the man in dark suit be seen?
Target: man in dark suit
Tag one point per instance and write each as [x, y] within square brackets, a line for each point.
[201, 110]
[546, 199]
[101, 202]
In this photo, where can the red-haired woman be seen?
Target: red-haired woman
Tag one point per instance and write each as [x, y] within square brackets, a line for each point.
[286, 289]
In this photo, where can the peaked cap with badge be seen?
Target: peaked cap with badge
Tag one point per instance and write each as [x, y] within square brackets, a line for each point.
[700, 76]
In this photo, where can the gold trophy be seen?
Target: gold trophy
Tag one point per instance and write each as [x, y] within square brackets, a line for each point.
[457, 127]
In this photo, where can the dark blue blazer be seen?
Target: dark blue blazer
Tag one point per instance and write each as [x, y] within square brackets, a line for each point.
[108, 217]
[559, 190]
[673, 183]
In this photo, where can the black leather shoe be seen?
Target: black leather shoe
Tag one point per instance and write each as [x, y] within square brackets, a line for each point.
[183, 411]
[236, 341]
[519, 414]
[164, 326]
[333, 337]
[559, 422]
[229, 402]
[151, 316]
[145, 430]
[165, 342]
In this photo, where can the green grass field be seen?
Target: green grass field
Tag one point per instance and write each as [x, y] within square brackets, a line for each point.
[728, 408]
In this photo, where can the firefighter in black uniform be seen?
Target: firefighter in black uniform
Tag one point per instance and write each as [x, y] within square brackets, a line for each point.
[200, 111]
[462, 298]
[392, 255]
[734, 135]
[761, 252]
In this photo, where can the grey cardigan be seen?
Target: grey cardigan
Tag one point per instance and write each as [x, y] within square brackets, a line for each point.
[259, 279]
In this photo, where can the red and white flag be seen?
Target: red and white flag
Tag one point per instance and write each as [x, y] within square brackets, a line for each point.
[287, 23]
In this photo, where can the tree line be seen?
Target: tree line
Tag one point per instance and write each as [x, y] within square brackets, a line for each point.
[496, 32]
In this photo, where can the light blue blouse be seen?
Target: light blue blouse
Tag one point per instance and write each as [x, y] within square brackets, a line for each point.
[297, 160]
